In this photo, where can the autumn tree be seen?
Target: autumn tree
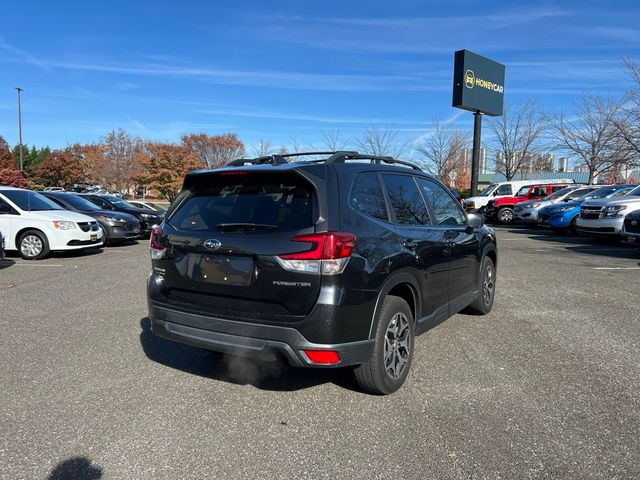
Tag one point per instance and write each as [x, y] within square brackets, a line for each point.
[441, 152]
[12, 177]
[6, 158]
[61, 168]
[116, 163]
[164, 167]
[214, 150]
[518, 133]
[591, 135]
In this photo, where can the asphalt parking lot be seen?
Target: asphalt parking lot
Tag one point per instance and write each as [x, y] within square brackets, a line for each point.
[546, 386]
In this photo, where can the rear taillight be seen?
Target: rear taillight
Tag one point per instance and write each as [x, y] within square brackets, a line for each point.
[156, 248]
[328, 254]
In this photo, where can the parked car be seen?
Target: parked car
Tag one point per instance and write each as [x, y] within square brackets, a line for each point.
[116, 226]
[501, 209]
[315, 263]
[527, 212]
[34, 225]
[562, 217]
[148, 205]
[631, 229]
[504, 189]
[54, 189]
[605, 217]
[1, 246]
[147, 217]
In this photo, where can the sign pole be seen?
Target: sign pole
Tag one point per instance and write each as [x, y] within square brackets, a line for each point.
[475, 157]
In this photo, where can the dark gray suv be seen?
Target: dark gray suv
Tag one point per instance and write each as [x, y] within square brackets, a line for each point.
[325, 263]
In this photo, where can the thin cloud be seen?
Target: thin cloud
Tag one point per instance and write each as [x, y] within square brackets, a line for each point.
[25, 56]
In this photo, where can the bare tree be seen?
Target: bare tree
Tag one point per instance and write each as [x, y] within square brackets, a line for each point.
[333, 140]
[628, 123]
[592, 135]
[264, 148]
[442, 152]
[383, 142]
[118, 162]
[296, 146]
[517, 134]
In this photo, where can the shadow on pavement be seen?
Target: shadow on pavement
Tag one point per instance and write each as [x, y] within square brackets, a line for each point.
[6, 263]
[265, 375]
[75, 468]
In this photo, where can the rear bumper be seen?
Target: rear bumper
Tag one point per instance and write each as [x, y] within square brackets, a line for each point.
[248, 339]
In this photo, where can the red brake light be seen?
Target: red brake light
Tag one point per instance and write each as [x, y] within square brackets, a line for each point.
[324, 246]
[156, 232]
[323, 356]
[233, 172]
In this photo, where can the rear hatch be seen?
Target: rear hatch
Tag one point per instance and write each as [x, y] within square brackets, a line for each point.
[222, 241]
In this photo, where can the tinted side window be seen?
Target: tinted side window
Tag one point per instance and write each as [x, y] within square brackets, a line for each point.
[504, 190]
[100, 202]
[366, 196]
[446, 209]
[406, 201]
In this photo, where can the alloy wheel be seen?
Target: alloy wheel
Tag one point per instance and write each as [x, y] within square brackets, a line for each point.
[31, 246]
[396, 345]
[488, 285]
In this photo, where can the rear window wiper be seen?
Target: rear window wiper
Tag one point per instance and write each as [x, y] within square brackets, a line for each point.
[245, 226]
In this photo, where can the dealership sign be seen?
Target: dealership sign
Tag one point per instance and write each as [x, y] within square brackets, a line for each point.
[478, 83]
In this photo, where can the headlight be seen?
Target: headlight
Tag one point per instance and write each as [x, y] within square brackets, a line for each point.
[104, 218]
[614, 211]
[563, 209]
[536, 205]
[63, 225]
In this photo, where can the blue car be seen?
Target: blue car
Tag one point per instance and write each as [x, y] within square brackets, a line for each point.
[561, 217]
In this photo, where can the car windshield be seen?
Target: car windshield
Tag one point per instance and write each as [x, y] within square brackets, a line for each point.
[118, 202]
[31, 201]
[559, 194]
[487, 191]
[80, 203]
[635, 192]
[599, 193]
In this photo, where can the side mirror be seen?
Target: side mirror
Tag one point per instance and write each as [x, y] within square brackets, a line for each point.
[474, 221]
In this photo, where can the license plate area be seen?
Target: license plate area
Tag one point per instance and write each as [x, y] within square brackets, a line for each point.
[94, 237]
[224, 270]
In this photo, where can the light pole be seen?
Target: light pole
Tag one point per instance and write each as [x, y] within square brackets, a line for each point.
[20, 126]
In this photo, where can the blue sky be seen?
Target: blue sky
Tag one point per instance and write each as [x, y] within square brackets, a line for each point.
[285, 71]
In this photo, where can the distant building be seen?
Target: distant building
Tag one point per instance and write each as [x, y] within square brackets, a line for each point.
[563, 164]
[467, 155]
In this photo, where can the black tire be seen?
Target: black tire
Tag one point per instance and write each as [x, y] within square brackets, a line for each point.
[105, 240]
[394, 320]
[505, 215]
[487, 285]
[33, 245]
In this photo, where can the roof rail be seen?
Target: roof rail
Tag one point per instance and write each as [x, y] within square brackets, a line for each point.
[342, 157]
[336, 157]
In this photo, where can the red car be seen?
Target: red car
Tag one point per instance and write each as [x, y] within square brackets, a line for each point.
[501, 209]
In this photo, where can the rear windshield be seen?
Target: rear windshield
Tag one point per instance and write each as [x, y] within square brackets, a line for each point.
[248, 202]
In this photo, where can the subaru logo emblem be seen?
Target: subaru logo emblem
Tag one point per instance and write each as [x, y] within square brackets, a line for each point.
[634, 222]
[212, 244]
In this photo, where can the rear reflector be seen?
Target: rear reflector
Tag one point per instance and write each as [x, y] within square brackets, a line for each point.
[326, 357]
[233, 172]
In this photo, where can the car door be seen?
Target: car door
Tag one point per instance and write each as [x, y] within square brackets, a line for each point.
[461, 245]
[9, 218]
[424, 246]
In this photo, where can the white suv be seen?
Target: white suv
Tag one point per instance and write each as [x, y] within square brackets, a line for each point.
[605, 217]
[34, 225]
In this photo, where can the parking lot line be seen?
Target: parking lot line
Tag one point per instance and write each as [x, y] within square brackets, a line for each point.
[17, 264]
[616, 268]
